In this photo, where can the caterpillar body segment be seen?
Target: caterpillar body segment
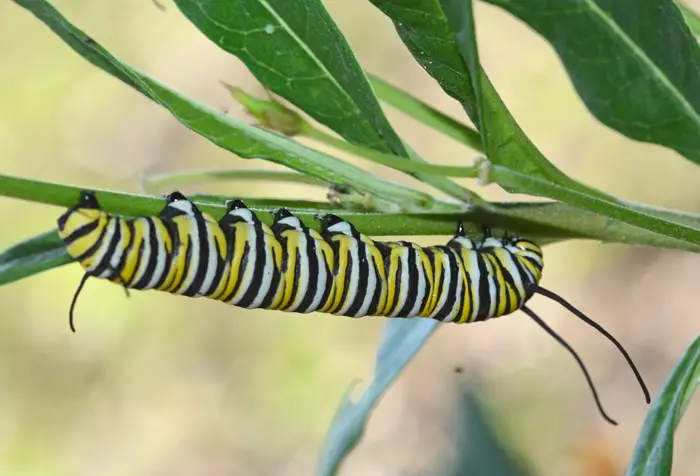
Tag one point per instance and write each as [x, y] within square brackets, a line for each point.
[287, 266]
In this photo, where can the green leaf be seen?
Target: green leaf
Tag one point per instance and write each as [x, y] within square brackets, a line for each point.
[233, 135]
[32, 256]
[296, 50]
[438, 34]
[422, 26]
[635, 64]
[653, 454]
[402, 339]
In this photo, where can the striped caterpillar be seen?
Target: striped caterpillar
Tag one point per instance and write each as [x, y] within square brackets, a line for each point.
[287, 266]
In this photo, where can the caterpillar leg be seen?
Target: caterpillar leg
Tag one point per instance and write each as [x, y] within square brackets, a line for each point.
[333, 223]
[176, 205]
[237, 211]
[283, 215]
[236, 204]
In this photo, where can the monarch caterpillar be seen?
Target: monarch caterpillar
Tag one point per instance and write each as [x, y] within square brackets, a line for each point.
[288, 266]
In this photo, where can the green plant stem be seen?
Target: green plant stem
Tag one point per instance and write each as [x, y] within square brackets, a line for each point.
[609, 206]
[156, 182]
[442, 183]
[426, 114]
[133, 205]
[544, 222]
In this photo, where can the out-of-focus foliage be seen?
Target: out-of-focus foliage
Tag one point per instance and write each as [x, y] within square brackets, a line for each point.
[402, 340]
[482, 450]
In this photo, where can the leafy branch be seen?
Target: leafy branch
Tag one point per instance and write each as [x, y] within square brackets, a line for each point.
[651, 95]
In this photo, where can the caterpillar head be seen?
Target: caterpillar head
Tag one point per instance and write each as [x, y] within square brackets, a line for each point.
[519, 245]
[530, 256]
[86, 210]
[514, 244]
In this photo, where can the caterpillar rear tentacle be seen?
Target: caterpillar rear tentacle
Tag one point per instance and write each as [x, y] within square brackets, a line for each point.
[287, 266]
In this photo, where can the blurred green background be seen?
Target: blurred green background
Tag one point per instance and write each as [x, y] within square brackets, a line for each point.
[158, 385]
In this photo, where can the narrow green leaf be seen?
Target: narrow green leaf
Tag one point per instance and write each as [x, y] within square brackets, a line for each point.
[32, 256]
[402, 339]
[233, 135]
[438, 34]
[426, 114]
[47, 251]
[653, 454]
[635, 64]
[392, 161]
[297, 51]
[279, 117]
[268, 204]
[156, 182]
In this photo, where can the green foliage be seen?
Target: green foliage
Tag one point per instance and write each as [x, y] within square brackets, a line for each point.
[642, 49]
[620, 63]
[239, 137]
[653, 455]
